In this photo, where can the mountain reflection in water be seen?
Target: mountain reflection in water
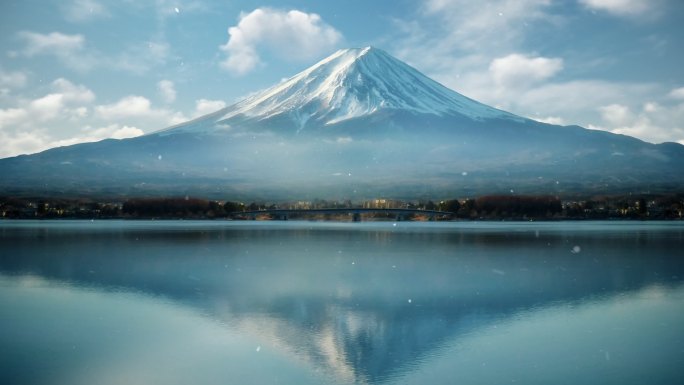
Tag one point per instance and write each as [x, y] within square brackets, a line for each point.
[363, 303]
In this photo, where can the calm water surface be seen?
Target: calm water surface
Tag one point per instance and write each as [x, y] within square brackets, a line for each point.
[145, 302]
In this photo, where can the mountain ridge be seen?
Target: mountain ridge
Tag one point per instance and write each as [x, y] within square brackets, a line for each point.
[346, 85]
[358, 124]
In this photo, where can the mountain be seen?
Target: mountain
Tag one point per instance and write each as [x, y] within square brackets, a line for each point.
[358, 124]
[351, 83]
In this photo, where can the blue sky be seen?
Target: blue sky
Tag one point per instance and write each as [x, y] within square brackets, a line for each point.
[84, 70]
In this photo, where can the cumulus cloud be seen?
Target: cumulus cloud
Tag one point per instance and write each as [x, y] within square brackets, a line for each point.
[65, 101]
[66, 115]
[72, 92]
[622, 7]
[88, 134]
[47, 107]
[123, 132]
[25, 128]
[60, 102]
[291, 35]
[12, 116]
[206, 106]
[129, 106]
[517, 69]
[651, 122]
[23, 142]
[125, 107]
[616, 114]
[647, 128]
[26, 142]
[138, 107]
[167, 91]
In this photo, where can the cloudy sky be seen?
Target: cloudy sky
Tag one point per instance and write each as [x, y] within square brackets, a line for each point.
[84, 70]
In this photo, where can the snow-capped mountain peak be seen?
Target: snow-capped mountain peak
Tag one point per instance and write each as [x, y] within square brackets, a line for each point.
[355, 82]
[350, 83]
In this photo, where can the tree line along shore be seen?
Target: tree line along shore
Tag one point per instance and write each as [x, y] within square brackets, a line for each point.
[490, 207]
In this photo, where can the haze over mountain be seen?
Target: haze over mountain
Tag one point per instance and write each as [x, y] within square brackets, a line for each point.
[358, 124]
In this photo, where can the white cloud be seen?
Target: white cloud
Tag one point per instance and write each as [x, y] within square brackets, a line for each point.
[87, 134]
[54, 104]
[66, 115]
[622, 7]
[621, 108]
[12, 79]
[52, 43]
[167, 91]
[139, 108]
[129, 106]
[112, 131]
[646, 129]
[653, 122]
[69, 49]
[557, 120]
[475, 24]
[291, 35]
[616, 114]
[241, 61]
[12, 116]
[65, 101]
[125, 132]
[677, 93]
[36, 140]
[460, 44]
[23, 142]
[47, 107]
[651, 107]
[205, 106]
[72, 92]
[83, 10]
[516, 69]
[580, 96]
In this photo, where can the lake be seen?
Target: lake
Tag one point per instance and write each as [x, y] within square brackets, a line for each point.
[214, 302]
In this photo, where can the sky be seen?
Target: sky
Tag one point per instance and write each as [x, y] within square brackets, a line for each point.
[84, 70]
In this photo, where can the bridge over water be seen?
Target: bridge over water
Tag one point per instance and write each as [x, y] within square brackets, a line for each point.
[284, 214]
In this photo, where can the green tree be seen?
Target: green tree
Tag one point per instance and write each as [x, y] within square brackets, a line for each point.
[452, 206]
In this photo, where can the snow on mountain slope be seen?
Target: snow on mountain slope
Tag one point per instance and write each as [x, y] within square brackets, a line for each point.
[349, 84]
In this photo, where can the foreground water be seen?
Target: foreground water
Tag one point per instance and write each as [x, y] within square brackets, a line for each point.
[184, 302]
